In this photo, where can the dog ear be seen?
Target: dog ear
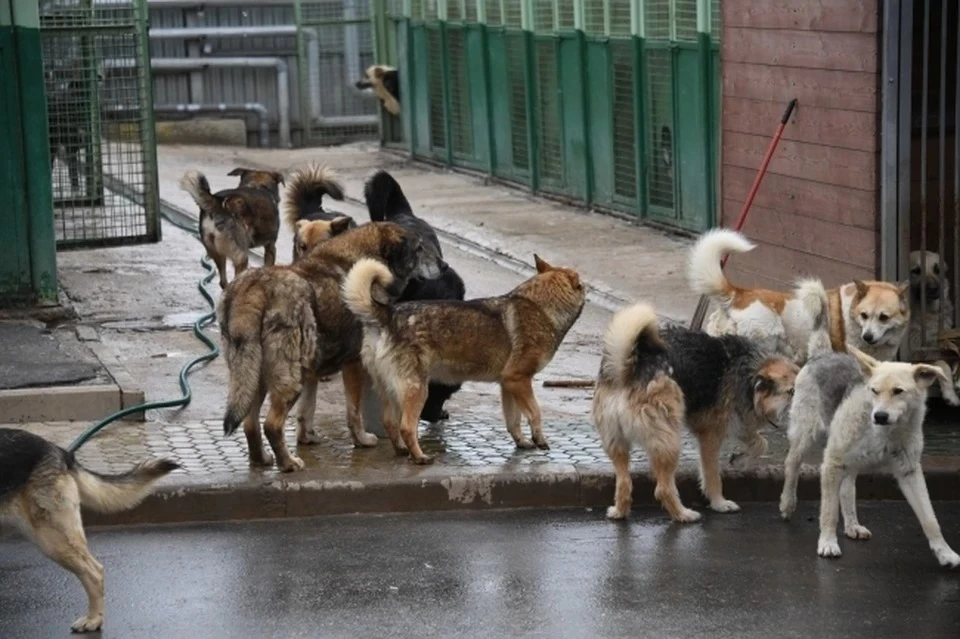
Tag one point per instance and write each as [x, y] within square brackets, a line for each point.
[867, 363]
[238, 171]
[926, 375]
[861, 289]
[903, 288]
[277, 176]
[542, 266]
[763, 384]
[340, 224]
[378, 73]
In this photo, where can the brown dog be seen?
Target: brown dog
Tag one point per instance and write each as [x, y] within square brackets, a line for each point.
[233, 221]
[309, 233]
[652, 381]
[506, 339]
[283, 327]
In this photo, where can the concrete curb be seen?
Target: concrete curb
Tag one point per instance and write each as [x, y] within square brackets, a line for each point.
[548, 486]
[63, 403]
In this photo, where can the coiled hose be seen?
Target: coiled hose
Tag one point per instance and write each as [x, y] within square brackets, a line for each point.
[185, 391]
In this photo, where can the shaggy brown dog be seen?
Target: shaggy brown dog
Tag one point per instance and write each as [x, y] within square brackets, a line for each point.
[233, 221]
[651, 381]
[285, 326]
[303, 204]
[506, 339]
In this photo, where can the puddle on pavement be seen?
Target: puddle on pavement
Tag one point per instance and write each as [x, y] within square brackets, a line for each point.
[187, 318]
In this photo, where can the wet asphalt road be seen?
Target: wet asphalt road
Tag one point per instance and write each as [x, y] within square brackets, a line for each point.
[500, 574]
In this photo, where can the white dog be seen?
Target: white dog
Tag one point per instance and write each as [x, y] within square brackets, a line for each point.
[871, 415]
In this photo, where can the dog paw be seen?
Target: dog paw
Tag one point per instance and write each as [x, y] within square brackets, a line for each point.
[688, 516]
[309, 437]
[951, 399]
[856, 531]
[365, 440]
[788, 506]
[293, 464]
[828, 547]
[265, 460]
[542, 443]
[423, 460]
[724, 506]
[946, 557]
[87, 624]
[616, 514]
[525, 444]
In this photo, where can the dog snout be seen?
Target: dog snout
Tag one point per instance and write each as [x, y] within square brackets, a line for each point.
[933, 291]
[869, 337]
[881, 418]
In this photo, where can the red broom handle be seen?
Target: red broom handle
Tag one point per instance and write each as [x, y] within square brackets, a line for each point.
[762, 171]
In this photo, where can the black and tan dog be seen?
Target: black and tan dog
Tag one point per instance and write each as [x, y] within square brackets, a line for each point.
[651, 381]
[303, 207]
[386, 202]
[233, 221]
[42, 488]
[283, 327]
[506, 339]
[384, 81]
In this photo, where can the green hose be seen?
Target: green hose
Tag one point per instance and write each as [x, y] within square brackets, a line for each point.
[186, 393]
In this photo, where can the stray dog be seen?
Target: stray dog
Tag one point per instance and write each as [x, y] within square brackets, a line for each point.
[284, 327]
[870, 414]
[42, 488]
[69, 92]
[930, 288]
[871, 316]
[303, 207]
[506, 339]
[386, 202]
[653, 380]
[384, 81]
[233, 221]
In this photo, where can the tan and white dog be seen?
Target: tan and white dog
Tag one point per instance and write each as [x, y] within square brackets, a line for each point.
[871, 316]
[928, 282]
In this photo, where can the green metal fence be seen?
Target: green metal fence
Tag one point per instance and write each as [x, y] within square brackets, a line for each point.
[611, 103]
[100, 122]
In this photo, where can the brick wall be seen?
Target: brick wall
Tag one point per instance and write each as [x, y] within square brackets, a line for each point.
[817, 209]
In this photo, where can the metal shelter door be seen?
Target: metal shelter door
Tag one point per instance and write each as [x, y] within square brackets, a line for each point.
[100, 122]
[920, 169]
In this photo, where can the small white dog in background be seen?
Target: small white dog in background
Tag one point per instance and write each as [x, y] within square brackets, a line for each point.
[935, 288]
[871, 415]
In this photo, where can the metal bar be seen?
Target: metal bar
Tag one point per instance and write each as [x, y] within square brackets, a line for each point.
[148, 129]
[905, 142]
[889, 149]
[190, 64]
[924, 105]
[193, 51]
[956, 182]
[942, 126]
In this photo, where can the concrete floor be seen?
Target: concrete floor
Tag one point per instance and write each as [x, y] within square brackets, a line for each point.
[501, 574]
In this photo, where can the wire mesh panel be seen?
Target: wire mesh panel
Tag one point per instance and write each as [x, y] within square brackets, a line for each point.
[656, 16]
[660, 129]
[715, 20]
[624, 122]
[548, 116]
[438, 136]
[100, 122]
[494, 12]
[517, 85]
[512, 13]
[461, 125]
[685, 17]
[594, 17]
[340, 34]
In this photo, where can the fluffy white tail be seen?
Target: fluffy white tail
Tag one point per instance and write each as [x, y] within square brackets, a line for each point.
[114, 493]
[813, 296]
[358, 290]
[195, 183]
[704, 271]
[619, 342]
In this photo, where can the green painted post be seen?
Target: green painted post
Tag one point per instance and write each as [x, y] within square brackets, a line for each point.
[638, 29]
[30, 185]
[705, 46]
[148, 128]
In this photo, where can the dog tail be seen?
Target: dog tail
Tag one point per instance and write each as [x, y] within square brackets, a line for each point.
[385, 198]
[115, 493]
[305, 190]
[630, 330]
[704, 270]
[813, 296]
[195, 183]
[358, 291]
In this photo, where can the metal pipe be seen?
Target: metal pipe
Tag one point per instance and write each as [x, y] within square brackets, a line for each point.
[193, 64]
[313, 47]
[261, 112]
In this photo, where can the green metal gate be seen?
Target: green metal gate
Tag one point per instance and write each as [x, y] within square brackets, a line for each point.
[611, 103]
[100, 122]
